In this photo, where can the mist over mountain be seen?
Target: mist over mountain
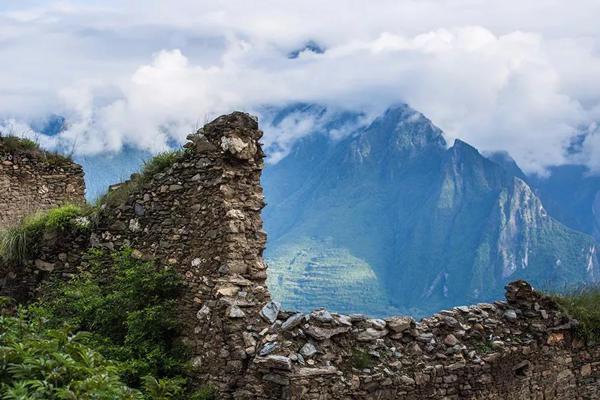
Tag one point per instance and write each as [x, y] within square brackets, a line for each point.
[392, 207]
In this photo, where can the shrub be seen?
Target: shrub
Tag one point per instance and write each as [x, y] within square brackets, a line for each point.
[111, 332]
[19, 242]
[129, 307]
[37, 362]
[205, 393]
[583, 304]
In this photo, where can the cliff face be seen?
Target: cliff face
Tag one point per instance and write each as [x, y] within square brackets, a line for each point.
[33, 180]
[202, 216]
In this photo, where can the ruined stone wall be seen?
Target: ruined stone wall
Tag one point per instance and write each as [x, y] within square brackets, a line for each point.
[202, 216]
[34, 180]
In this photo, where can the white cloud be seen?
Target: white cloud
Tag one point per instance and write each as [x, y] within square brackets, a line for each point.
[521, 76]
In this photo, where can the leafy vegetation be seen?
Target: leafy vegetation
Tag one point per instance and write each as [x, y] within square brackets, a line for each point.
[37, 362]
[19, 242]
[129, 307]
[583, 304]
[155, 165]
[109, 333]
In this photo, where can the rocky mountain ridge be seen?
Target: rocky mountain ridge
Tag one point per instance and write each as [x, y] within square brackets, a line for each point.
[436, 225]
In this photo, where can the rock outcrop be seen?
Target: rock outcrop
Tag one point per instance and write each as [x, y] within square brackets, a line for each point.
[202, 216]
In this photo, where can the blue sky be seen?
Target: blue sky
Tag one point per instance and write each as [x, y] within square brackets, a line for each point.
[521, 76]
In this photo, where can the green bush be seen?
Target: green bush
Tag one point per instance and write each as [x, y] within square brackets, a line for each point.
[205, 393]
[129, 305]
[121, 312]
[19, 242]
[584, 305]
[37, 362]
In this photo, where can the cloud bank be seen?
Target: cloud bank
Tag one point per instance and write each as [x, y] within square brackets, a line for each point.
[520, 76]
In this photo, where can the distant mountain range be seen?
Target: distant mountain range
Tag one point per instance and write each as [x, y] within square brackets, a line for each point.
[389, 219]
[386, 218]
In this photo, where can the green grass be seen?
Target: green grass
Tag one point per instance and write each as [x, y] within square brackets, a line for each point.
[159, 163]
[361, 359]
[17, 144]
[584, 305]
[14, 144]
[18, 243]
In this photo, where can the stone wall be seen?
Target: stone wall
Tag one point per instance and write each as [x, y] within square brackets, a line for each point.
[202, 216]
[34, 180]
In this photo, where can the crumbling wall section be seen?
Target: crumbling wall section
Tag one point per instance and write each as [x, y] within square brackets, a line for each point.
[32, 181]
[202, 217]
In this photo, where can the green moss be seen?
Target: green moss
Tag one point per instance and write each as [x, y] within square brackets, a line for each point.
[484, 347]
[361, 359]
[19, 242]
[584, 305]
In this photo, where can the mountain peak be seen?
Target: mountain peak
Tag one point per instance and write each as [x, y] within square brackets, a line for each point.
[405, 129]
[460, 145]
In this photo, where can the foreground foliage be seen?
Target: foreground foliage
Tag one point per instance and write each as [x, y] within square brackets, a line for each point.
[19, 242]
[37, 362]
[584, 305]
[126, 307]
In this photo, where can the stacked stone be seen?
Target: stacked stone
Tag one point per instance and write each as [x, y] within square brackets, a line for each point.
[30, 182]
[58, 254]
[202, 216]
[505, 350]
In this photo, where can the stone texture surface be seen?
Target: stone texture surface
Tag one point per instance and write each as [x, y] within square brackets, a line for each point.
[202, 216]
[32, 181]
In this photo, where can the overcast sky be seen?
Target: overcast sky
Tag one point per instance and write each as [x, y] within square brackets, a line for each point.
[515, 75]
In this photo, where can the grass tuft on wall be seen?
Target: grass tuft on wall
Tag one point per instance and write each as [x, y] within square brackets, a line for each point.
[18, 243]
